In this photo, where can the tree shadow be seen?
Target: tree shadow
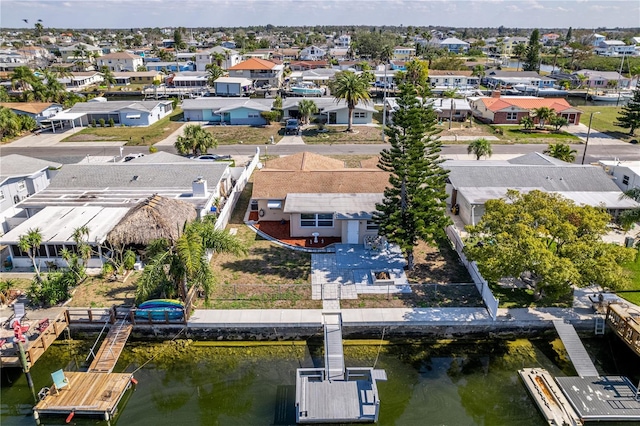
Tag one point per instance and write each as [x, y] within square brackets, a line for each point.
[274, 261]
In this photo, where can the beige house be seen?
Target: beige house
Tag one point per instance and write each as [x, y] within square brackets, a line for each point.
[319, 197]
[120, 61]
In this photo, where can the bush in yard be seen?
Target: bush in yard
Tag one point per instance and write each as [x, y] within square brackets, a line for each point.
[102, 122]
[152, 149]
[112, 123]
[129, 260]
[270, 116]
[52, 290]
[93, 123]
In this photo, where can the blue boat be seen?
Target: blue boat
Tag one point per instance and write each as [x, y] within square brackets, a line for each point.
[307, 89]
[160, 310]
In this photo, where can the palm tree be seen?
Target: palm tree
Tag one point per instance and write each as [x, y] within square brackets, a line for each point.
[174, 266]
[561, 151]
[480, 148]
[555, 51]
[352, 89]
[557, 122]
[107, 76]
[543, 114]
[214, 72]
[527, 122]
[629, 217]
[479, 71]
[307, 108]
[519, 51]
[195, 140]
[29, 244]
[218, 58]
[10, 124]
[23, 78]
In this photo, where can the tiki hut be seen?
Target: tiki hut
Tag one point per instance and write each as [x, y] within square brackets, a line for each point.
[156, 217]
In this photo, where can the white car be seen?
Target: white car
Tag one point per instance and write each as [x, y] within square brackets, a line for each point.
[130, 157]
[212, 157]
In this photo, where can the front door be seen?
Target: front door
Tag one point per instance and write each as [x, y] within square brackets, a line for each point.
[353, 231]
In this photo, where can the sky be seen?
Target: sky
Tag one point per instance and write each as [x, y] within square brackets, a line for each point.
[239, 13]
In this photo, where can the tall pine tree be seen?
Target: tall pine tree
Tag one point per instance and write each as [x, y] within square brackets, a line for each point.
[629, 117]
[414, 204]
[532, 55]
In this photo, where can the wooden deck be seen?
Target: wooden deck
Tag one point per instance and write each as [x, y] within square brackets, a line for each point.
[91, 394]
[577, 353]
[111, 348]
[37, 344]
[626, 324]
[552, 403]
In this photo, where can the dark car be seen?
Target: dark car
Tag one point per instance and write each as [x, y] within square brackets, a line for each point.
[383, 85]
[291, 127]
[212, 157]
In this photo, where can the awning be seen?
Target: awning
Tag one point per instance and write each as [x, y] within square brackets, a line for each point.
[132, 116]
[274, 204]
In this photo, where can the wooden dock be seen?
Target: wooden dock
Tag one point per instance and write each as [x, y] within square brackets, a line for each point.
[111, 348]
[553, 405]
[37, 344]
[626, 324]
[577, 353]
[88, 394]
[333, 351]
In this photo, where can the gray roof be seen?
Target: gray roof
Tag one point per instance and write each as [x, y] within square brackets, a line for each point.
[15, 165]
[558, 178]
[536, 158]
[136, 176]
[114, 106]
[500, 73]
[453, 40]
[223, 50]
[327, 104]
[226, 104]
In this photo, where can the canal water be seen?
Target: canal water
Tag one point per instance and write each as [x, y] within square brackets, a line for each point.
[210, 383]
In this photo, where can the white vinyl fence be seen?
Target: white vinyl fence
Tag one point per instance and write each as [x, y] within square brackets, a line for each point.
[225, 212]
[481, 284]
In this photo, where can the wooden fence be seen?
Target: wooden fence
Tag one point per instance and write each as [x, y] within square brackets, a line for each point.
[481, 284]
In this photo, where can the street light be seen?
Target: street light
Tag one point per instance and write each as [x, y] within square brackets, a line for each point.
[586, 142]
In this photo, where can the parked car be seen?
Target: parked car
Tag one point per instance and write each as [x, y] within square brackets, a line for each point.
[383, 85]
[291, 126]
[212, 157]
[130, 157]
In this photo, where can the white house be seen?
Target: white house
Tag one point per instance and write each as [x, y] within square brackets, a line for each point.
[343, 41]
[20, 178]
[39, 111]
[312, 53]
[128, 113]
[189, 79]
[75, 51]
[206, 57]
[614, 48]
[81, 80]
[625, 174]
[233, 86]
[120, 61]
[332, 112]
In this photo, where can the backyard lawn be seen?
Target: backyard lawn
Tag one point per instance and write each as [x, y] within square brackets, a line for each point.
[603, 121]
[633, 295]
[134, 136]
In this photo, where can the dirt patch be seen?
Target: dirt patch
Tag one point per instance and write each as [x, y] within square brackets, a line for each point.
[96, 292]
[422, 296]
[439, 264]
[337, 134]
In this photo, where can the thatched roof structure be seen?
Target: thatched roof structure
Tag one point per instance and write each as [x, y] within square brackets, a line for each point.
[155, 217]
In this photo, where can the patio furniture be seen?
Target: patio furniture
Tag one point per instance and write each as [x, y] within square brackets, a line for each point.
[59, 380]
[19, 312]
[315, 236]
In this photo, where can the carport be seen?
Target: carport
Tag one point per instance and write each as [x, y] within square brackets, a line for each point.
[66, 118]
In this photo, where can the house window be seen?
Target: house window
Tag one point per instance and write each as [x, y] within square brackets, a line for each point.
[15, 249]
[22, 185]
[512, 116]
[274, 204]
[359, 115]
[316, 220]
[372, 226]
[625, 180]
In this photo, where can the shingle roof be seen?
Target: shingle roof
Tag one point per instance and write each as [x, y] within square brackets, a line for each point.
[304, 161]
[550, 178]
[14, 165]
[254, 64]
[277, 184]
[30, 107]
[226, 104]
[112, 106]
[136, 176]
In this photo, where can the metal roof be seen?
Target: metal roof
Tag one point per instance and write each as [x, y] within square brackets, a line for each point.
[345, 206]
[226, 104]
[57, 224]
[114, 106]
[327, 104]
[536, 158]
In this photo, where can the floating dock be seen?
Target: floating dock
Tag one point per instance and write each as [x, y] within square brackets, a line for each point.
[552, 403]
[335, 394]
[605, 398]
[88, 394]
[577, 353]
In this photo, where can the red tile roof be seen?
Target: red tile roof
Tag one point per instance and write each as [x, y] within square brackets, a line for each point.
[254, 64]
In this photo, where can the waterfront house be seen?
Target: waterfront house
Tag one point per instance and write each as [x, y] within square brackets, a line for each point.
[227, 110]
[453, 78]
[120, 61]
[317, 196]
[625, 174]
[138, 77]
[446, 109]
[20, 178]
[471, 183]
[189, 79]
[454, 45]
[231, 57]
[498, 109]
[100, 195]
[603, 79]
[261, 71]
[68, 53]
[129, 113]
[498, 78]
[233, 86]
[308, 65]
[312, 53]
[615, 48]
[170, 66]
[81, 80]
[403, 53]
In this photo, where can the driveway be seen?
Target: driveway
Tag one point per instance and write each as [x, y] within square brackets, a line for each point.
[595, 137]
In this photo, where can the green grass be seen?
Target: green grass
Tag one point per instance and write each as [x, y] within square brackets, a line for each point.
[133, 135]
[603, 121]
[524, 298]
[633, 268]
[247, 135]
[517, 134]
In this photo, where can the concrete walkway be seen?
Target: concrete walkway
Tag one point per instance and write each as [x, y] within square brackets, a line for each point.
[595, 137]
[291, 140]
[173, 137]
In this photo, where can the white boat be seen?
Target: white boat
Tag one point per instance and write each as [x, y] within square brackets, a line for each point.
[607, 97]
[551, 91]
[307, 89]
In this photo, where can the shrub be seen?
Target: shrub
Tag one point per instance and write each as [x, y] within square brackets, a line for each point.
[153, 149]
[102, 122]
[128, 260]
[93, 123]
[112, 123]
[52, 290]
[270, 116]
[107, 270]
